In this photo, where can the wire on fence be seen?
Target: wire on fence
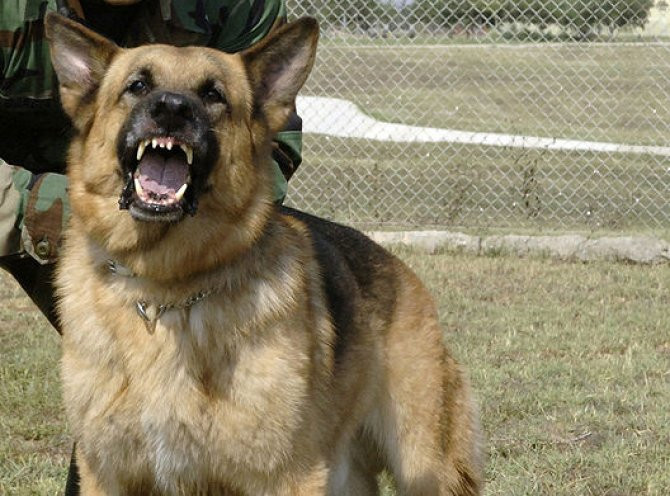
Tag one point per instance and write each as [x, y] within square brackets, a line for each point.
[500, 113]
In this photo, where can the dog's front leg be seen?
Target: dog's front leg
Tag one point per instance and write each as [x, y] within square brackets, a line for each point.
[89, 483]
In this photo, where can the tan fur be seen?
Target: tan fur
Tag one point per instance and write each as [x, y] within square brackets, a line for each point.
[239, 394]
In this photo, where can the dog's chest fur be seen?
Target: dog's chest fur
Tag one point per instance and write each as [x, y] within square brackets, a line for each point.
[155, 406]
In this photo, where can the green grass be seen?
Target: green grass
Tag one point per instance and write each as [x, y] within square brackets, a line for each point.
[34, 447]
[569, 361]
[571, 365]
[360, 181]
[578, 91]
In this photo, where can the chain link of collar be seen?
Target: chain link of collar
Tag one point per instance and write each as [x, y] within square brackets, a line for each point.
[150, 313]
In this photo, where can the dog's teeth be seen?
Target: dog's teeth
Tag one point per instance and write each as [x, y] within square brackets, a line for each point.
[154, 143]
[169, 145]
[138, 187]
[189, 153]
[140, 149]
[180, 193]
[162, 145]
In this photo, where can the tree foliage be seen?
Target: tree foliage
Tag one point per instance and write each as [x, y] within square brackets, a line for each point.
[579, 15]
[359, 13]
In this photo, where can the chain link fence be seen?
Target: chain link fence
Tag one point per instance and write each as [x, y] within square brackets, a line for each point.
[488, 113]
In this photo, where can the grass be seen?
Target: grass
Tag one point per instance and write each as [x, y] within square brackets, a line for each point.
[360, 181]
[34, 446]
[570, 363]
[578, 91]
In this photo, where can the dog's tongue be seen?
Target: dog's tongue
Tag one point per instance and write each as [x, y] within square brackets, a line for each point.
[162, 175]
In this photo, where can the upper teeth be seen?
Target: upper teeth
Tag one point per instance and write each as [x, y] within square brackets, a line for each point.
[189, 153]
[140, 149]
[154, 142]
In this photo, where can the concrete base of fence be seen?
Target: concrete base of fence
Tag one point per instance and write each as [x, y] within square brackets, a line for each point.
[636, 249]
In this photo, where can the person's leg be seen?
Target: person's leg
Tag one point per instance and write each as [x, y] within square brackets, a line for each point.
[72, 484]
[36, 281]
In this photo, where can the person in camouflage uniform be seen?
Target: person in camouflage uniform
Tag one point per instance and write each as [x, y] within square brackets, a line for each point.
[33, 141]
[34, 131]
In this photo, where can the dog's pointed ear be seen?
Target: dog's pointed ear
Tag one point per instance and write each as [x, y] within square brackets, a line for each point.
[80, 58]
[278, 67]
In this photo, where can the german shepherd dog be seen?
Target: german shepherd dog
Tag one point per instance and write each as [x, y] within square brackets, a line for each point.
[214, 343]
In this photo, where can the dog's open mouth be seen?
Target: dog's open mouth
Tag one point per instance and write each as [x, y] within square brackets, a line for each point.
[162, 173]
[166, 150]
[161, 178]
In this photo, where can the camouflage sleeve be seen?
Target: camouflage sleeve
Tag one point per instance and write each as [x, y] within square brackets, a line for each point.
[287, 156]
[238, 25]
[10, 202]
[287, 151]
[33, 213]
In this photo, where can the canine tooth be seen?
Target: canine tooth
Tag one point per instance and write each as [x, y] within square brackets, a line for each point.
[140, 149]
[180, 193]
[138, 187]
[189, 153]
[169, 145]
[154, 142]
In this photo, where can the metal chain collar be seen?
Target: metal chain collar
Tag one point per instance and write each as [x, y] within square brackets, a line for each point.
[149, 312]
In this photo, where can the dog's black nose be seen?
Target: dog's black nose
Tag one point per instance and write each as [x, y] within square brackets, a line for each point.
[171, 110]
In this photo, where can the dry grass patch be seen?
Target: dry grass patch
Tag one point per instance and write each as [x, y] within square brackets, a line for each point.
[570, 363]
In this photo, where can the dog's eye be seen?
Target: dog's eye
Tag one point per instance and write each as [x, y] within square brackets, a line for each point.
[138, 87]
[212, 95]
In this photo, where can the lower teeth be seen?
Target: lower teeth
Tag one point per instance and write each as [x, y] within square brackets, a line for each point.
[180, 193]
